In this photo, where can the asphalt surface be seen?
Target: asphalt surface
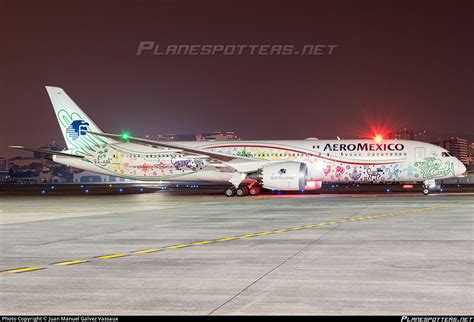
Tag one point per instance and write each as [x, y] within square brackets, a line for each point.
[277, 254]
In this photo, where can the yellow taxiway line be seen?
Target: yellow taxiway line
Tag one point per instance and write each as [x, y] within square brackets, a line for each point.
[224, 239]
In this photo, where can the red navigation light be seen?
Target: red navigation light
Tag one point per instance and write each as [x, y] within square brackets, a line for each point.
[378, 138]
[378, 128]
[310, 185]
[313, 185]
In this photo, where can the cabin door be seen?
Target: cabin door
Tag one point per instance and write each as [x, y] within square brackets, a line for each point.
[419, 154]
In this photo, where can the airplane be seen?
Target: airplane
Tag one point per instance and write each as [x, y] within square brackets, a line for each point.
[245, 166]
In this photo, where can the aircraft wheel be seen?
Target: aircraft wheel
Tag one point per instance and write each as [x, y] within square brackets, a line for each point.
[230, 192]
[242, 192]
[254, 191]
[426, 191]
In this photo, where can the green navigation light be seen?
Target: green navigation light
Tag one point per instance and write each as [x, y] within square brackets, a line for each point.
[125, 136]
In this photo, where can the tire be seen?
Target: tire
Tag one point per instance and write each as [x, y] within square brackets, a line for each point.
[254, 191]
[241, 192]
[230, 192]
[426, 191]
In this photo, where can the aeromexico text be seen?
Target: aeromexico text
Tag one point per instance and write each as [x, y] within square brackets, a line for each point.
[364, 147]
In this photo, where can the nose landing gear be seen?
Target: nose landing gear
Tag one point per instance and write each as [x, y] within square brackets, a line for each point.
[428, 185]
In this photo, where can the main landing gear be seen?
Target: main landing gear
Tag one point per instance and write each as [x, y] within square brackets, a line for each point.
[242, 191]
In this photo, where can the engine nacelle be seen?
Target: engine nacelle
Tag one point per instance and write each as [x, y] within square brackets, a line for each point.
[283, 176]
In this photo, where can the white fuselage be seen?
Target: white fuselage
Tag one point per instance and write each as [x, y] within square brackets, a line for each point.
[327, 160]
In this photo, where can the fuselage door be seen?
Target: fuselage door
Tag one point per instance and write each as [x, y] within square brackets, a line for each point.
[419, 154]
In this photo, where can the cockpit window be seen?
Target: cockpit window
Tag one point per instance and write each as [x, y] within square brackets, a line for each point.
[445, 154]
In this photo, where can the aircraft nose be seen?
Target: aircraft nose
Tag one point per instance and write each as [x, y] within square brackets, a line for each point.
[461, 168]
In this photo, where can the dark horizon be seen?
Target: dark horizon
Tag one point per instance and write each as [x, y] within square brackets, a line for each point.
[396, 65]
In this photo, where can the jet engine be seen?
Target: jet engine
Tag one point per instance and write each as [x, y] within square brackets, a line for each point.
[283, 176]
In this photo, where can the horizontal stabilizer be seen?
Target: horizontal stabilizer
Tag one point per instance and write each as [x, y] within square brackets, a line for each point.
[46, 151]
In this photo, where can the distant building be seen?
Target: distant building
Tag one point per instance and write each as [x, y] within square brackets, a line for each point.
[4, 176]
[21, 162]
[50, 177]
[423, 136]
[38, 169]
[4, 164]
[471, 156]
[212, 136]
[408, 134]
[220, 136]
[92, 177]
[177, 137]
[4, 170]
[404, 134]
[458, 147]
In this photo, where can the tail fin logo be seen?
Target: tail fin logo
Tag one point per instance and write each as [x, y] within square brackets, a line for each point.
[76, 129]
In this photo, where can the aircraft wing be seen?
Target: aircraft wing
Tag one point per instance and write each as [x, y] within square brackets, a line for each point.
[172, 145]
[45, 151]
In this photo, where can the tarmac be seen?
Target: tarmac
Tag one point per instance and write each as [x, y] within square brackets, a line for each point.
[163, 253]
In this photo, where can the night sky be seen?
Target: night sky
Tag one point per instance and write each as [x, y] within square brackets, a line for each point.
[399, 64]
